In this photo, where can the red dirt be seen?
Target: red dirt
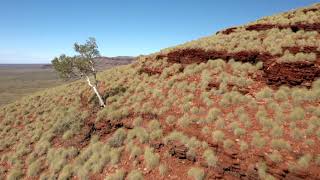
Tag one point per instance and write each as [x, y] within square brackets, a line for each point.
[292, 74]
[262, 27]
[295, 27]
[300, 73]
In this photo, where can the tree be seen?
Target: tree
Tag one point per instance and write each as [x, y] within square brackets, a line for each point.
[81, 66]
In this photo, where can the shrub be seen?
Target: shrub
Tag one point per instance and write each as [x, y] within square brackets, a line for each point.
[297, 114]
[205, 130]
[304, 161]
[163, 169]
[228, 143]
[257, 140]
[135, 175]
[176, 136]
[34, 168]
[135, 151]
[288, 57]
[196, 173]
[264, 93]
[276, 131]
[220, 123]
[275, 157]
[118, 138]
[218, 136]
[184, 121]
[195, 110]
[262, 170]
[309, 142]
[156, 134]
[280, 144]
[213, 114]
[140, 133]
[170, 119]
[281, 95]
[297, 134]
[15, 173]
[154, 125]
[118, 175]
[234, 125]
[151, 159]
[66, 172]
[193, 142]
[239, 131]
[67, 135]
[137, 121]
[115, 155]
[210, 158]
[243, 146]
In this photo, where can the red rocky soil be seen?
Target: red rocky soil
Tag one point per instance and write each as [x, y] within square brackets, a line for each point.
[292, 74]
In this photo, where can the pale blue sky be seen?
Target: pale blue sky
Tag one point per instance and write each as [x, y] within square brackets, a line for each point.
[34, 31]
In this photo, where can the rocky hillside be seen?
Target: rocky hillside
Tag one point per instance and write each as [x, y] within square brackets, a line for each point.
[240, 104]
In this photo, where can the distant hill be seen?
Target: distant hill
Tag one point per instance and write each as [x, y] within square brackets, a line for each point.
[107, 62]
[243, 103]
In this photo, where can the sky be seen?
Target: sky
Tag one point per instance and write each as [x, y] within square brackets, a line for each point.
[35, 31]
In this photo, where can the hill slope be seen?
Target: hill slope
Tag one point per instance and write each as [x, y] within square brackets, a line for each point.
[241, 104]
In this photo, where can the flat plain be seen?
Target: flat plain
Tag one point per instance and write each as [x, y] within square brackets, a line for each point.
[18, 80]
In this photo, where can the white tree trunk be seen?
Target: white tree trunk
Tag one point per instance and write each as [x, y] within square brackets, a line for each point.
[94, 87]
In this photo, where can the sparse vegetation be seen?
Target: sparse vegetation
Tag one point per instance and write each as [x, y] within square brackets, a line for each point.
[210, 158]
[118, 175]
[135, 175]
[166, 109]
[151, 159]
[196, 173]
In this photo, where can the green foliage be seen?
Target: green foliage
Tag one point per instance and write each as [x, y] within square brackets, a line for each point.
[118, 138]
[210, 158]
[257, 140]
[228, 143]
[135, 175]
[239, 131]
[140, 133]
[297, 114]
[64, 66]
[151, 159]
[15, 174]
[243, 146]
[170, 119]
[218, 135]
[163, 169]
[70, 67]
[176, 136]
[276, 131]
[281, 95]
[196, 173]
[34, 168]
[213, 115]
[264, 93]
[280, 144]
[118, 175]
[275, 156]
[304, 161]
[297, 133]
